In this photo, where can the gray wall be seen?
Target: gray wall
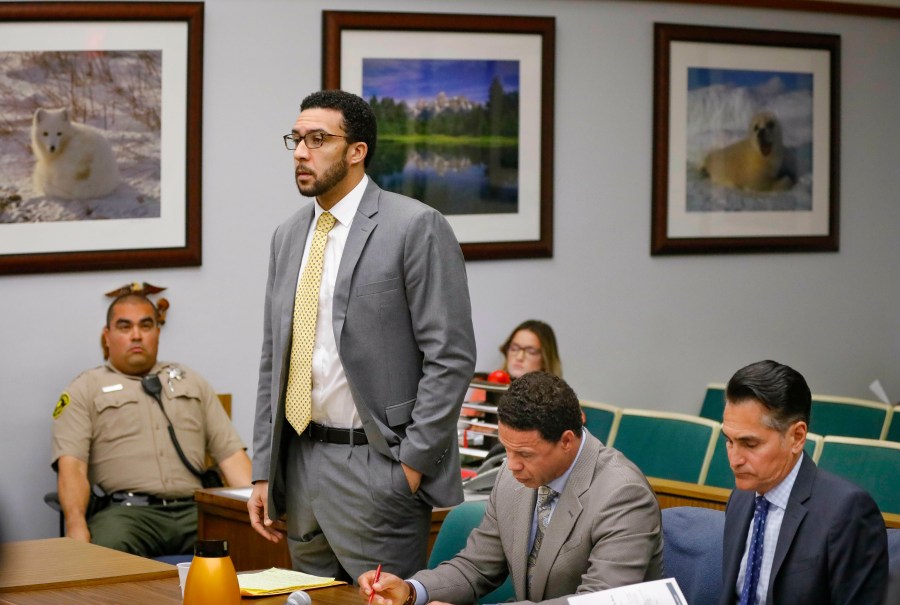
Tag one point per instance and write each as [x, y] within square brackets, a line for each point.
[634, 330]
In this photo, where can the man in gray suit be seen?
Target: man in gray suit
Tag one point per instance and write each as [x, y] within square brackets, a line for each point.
[598, 527]
[392, 355]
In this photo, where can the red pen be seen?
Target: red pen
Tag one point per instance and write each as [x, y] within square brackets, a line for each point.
[377, 575]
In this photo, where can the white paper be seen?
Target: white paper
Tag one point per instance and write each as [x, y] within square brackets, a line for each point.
[876, 388]
[658, 592]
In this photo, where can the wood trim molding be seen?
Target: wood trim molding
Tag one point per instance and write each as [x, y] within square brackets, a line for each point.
[810, 6]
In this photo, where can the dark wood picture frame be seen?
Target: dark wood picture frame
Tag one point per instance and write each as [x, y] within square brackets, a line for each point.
[98, 256]
[727, 231]
[337, 23]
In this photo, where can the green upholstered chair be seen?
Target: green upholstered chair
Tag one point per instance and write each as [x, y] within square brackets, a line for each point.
[720, 475]
[713, 402]
[601, 420]
[849, 417]
[872, 464]
[893, 432]
[667, 445]
[452, 537]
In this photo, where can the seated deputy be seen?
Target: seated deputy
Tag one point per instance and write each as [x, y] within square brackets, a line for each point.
[110, 432]
[567, 514]
[794, 534]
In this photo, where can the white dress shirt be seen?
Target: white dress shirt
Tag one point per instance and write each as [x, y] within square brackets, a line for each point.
[332, 401]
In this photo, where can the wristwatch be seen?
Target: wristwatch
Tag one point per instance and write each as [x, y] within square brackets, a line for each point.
[412, 594]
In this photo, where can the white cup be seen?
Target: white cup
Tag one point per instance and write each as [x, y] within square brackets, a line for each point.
[182, 575]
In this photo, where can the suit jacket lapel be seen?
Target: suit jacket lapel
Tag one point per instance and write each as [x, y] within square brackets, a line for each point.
[296, 242]
[793, 516]
[520, 528]
[360, 230]
[565, 515]
[738, 518]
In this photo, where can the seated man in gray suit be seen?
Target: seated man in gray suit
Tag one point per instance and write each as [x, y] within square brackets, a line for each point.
[567, 514]
[810, 538]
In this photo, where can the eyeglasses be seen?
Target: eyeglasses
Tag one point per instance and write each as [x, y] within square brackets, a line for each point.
[531, 351]
[313, 140]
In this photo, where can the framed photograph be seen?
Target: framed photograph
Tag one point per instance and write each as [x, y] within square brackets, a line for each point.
[100, 135]
[746, 145]
[465, 117]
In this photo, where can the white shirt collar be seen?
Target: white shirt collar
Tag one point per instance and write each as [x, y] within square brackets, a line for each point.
[559, 484]
[345, 210]
[780, 494]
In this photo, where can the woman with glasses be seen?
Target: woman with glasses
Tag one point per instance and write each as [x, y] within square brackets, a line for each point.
[530, 347]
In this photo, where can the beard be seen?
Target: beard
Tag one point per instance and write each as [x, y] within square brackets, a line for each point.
[334, 175]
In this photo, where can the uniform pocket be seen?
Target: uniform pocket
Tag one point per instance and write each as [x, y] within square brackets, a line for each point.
[185, 406]
[118, 416]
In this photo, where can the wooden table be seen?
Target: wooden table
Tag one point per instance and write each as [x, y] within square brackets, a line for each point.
[158, 592]
[222, 515]
[64, 562]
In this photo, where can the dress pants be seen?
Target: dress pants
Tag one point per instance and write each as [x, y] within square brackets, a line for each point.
[350, 508]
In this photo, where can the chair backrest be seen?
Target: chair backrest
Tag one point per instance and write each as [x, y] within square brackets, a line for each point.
[692, 551]
[667, 445]
[713, 402]
[893, 432]
[720, 475]
[452, 537]
[849, 417]
[872, 464]
[225, 400]
[601, 420]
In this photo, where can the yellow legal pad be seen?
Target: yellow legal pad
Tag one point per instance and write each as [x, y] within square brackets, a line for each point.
[280, 581]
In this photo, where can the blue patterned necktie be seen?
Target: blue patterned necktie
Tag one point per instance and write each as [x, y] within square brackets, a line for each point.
[544, 501]
[754, 557]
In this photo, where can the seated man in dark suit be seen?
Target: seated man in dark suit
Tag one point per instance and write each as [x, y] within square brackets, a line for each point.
[567, 514]
[794, 534]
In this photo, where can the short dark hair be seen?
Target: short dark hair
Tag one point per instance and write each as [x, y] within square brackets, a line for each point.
[782, 390]
[541, 401]
[358, 118]
[130, 297]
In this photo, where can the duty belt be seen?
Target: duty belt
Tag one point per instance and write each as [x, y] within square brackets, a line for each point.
[138, 499]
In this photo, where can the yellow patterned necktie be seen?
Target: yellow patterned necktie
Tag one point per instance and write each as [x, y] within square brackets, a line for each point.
[298, 399]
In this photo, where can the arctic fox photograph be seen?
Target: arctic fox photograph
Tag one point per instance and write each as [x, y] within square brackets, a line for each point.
[79, 135]
[72, 161]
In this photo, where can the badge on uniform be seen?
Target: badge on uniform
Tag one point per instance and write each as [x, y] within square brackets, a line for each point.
[60, 405]
[174, 374]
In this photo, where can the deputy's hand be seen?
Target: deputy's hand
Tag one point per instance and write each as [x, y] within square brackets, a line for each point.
[413, 477]
[389, 589]
[78, 531]
[258, 507]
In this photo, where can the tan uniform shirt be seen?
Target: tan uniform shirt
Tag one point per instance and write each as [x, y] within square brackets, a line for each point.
[107, 420]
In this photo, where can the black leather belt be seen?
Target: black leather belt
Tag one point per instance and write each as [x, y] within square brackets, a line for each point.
[327, 434]
[138, 499]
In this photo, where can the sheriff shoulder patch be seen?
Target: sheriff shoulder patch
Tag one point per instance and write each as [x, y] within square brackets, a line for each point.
[60, 405]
